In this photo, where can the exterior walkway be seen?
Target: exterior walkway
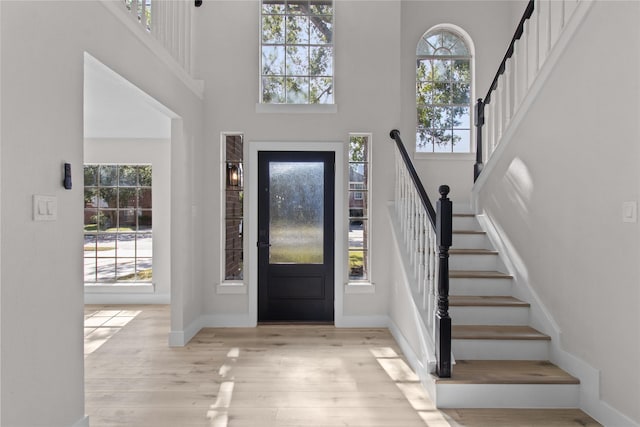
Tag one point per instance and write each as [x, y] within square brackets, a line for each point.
[272, 375]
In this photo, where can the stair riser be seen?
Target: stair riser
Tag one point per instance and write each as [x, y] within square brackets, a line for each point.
[507, 395]
[500, 349]
[473, 286]
[489, 315]
[475, 262]
[470, 241]
[465, 223]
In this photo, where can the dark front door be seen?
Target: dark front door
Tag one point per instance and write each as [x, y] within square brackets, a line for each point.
[295, 236]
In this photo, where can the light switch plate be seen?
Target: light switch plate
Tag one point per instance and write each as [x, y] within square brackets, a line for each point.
[45, 208]
[630, 212]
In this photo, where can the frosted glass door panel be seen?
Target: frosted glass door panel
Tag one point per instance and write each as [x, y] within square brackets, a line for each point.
[296, 205]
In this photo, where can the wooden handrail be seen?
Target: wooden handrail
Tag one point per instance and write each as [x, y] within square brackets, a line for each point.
[424, 197]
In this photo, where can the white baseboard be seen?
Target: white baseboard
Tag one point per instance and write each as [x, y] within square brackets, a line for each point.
[370, 321]
[126, 298]
[181, 338]
[83, 422]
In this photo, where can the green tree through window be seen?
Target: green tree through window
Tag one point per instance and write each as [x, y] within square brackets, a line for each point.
[297, 51]
[443, 93]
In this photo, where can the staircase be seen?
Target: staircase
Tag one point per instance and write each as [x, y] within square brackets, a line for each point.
[501, 362]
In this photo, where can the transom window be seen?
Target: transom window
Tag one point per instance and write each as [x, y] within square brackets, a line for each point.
[443, 93]
[117, 223]
[297, 52]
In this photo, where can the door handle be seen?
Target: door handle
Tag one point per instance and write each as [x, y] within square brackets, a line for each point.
[264, 245]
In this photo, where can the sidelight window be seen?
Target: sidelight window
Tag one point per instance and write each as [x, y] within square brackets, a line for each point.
[359, 220]
[233, 207]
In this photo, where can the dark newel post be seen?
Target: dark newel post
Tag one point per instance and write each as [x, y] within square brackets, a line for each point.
[443, 321]
[479, 122]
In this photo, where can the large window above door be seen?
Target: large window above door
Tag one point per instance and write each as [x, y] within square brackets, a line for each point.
[296, 58]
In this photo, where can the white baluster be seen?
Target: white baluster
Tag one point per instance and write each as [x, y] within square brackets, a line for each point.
[532, 47]
[507, 99]
[556, 12]
[544, 26]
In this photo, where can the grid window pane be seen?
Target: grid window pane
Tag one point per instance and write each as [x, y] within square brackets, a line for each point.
[117, 223]
[297, 52]
[443, 93]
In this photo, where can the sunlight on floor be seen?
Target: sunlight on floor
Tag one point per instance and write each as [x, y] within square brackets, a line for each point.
[409, 384]
[219, 412]
[101, 325]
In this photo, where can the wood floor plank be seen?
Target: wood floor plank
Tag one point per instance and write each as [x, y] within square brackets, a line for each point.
[269, 376]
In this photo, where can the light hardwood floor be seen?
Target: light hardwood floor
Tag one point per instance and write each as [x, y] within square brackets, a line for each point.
[272, 375]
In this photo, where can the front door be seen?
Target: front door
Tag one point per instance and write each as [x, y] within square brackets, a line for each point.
[295, 236]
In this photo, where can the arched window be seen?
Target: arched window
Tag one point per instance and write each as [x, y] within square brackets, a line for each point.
[443, 93]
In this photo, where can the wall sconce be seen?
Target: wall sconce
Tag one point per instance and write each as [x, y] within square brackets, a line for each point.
[234, 175]
[198, 3]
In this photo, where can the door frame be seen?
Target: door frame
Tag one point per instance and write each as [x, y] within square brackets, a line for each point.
[251, 251]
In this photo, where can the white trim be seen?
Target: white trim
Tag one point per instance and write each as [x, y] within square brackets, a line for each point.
[196, 86]
[82, 422]
[296, 108]
[181, 338]
[352, 288]
[231, 288]
[370, 321]
[420, 156]
[251, 185]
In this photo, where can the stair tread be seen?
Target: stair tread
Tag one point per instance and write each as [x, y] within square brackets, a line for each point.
[464, 215]
[469, 232]
[472, 252]
[509, 417]
[496, 332]
[507, 372]
[485, 301]
[478, 274]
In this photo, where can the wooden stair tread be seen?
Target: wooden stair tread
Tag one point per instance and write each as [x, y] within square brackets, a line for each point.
[464, 215]
[469, 232]
[478, 274]
[496, 332]
[507, 372]
[472, 252]
[485, 301]
[508, 417]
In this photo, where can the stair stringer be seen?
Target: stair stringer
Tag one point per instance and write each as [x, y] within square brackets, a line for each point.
[541, 319]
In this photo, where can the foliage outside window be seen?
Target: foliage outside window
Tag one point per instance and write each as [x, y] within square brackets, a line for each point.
[359, 220]
[443, 93]
[233, 207]
[143, 9]
[117, 223]
[297, 52]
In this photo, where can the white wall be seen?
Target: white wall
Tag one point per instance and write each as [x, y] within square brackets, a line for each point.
[157, 153]
[43, 45]
[367, 57]
[375, 92]
[558, 190]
